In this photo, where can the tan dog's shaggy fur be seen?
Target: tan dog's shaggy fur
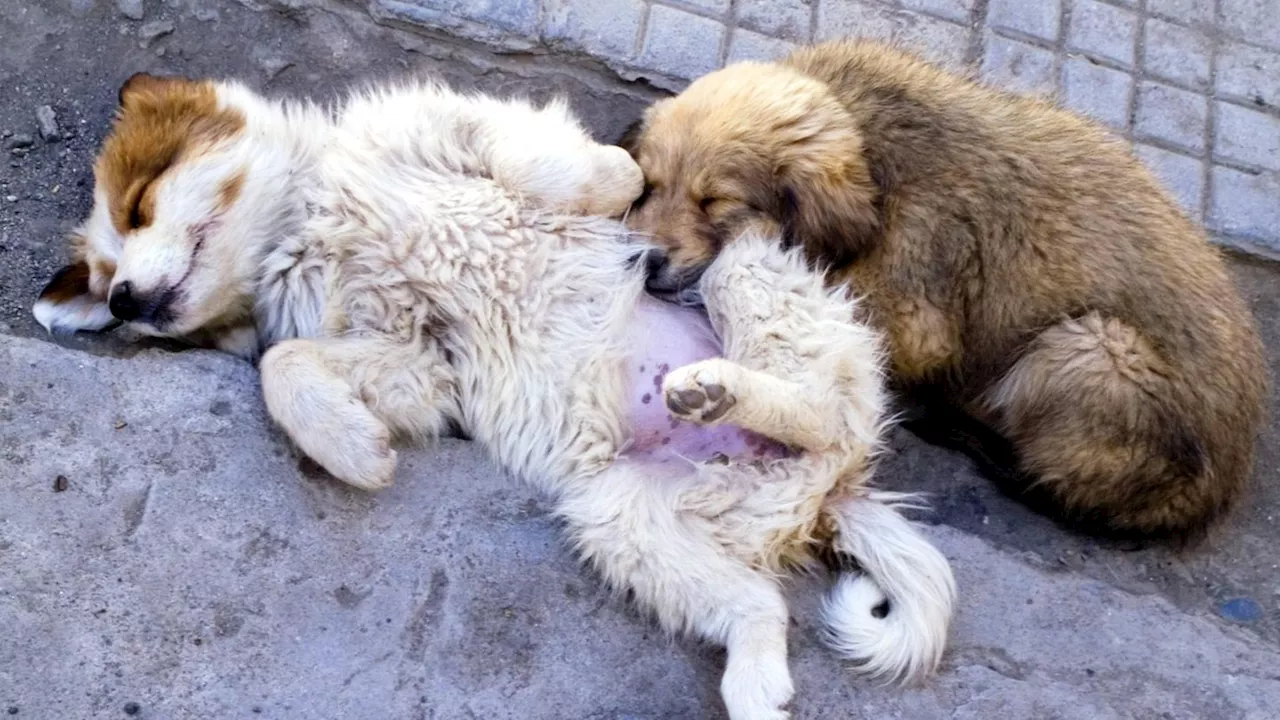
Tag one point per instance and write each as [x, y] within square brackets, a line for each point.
[1022, 263]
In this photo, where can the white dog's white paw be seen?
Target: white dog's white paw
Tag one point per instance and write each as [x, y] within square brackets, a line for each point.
[373, 470]
[698, 392]
[353, 445]
[757, 688]
[616, 181]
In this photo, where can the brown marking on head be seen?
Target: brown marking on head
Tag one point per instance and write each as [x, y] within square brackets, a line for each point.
[748, 142]
[230, 190]
[160, 121]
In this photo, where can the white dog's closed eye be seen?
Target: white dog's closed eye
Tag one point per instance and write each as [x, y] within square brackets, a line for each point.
[67, 305]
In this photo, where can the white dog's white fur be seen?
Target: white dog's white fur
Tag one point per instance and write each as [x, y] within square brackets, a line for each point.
[421, 257]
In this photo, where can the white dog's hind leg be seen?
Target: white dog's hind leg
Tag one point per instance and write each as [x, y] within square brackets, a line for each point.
[798, 367]
[757, 683]
[818, 363]
[638, 529]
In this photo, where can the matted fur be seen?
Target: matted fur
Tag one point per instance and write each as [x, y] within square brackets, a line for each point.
[1022, 263]
[419, 258]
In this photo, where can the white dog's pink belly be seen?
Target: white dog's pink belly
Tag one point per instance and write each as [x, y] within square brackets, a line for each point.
[664, 337]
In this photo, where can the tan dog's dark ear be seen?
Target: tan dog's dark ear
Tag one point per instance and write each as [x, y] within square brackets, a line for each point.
[829, 206]
[630, 138]
[67, 303]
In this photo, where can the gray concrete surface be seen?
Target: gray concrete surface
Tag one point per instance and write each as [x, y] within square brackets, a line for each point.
[193, 566]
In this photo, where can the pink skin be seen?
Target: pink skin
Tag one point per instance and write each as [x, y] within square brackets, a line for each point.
[667, 336]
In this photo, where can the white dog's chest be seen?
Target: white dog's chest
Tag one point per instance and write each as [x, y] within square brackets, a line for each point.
[663, 337]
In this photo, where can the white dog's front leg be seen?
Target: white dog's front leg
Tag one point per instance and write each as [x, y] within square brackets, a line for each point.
[799, 366]
[325, 417]
[544, 155]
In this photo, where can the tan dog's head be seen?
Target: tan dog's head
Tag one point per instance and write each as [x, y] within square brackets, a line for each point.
[751, 142]
[160, 249]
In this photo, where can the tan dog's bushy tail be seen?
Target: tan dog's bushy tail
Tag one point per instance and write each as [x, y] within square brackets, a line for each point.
[892, 614]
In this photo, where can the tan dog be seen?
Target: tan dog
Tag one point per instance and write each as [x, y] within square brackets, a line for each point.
[1022, 263]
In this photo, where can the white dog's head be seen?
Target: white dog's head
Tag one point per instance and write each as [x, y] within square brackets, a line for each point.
[164, 248]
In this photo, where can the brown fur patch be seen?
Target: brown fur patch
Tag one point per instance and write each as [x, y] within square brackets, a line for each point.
[160, 122]
[101, 270]
[100, 278]
[230, 190]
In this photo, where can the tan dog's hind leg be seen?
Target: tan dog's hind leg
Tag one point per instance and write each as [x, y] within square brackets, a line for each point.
[340, 400]
[1105, 427]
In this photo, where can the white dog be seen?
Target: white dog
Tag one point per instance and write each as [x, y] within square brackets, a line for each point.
[421, 258]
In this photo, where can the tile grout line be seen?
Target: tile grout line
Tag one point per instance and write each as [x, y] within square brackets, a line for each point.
[1059, 48]
[977, 48]
[1139, 73]
[1051, 46]
[730, 23]
[1211, 117]
[641, 31]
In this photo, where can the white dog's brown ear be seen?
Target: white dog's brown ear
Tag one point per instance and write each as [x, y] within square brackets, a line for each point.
[145, 83]
[828, 204]
[67, 304]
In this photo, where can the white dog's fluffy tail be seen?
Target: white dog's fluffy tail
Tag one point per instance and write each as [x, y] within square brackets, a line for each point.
[892, 616]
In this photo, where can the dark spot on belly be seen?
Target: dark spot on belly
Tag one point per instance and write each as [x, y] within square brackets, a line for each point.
[664, 368]
[657, 381]
[674, 423]
[641, 368]
[646, 398]
[666, 441]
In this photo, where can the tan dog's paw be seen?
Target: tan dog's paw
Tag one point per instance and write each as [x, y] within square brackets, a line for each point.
[697, 392]
[616, 182]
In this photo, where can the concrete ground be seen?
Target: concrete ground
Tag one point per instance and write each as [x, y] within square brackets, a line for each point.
[164, 554]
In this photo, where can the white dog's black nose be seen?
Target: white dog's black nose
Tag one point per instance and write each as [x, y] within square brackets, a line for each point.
[123, 304]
